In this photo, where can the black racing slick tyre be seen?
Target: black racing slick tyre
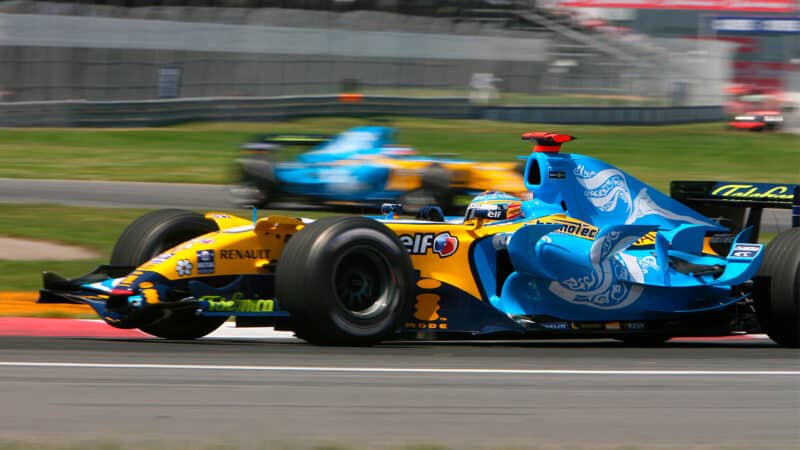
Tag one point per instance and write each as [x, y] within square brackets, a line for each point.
[345, 281]
[257, 185]
[777, 289]
[152, 234]
[435, 191]
[437, 180]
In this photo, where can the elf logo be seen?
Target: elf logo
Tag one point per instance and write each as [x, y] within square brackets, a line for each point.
[443, 244]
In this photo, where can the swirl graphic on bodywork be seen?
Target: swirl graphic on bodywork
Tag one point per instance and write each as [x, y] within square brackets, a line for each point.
[602, 288]
[604, 189]
[649, 262]
[644, 205]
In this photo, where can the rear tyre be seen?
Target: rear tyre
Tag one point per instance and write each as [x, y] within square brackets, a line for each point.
[435, 190]
[437, 180]
[152, 234]
[777, 289]
[416, 200]
[345, 281]
[257, 185]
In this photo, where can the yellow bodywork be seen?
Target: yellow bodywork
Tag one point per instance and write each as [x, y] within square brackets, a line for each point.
[406, 174]
[454, 269]
[240, 247]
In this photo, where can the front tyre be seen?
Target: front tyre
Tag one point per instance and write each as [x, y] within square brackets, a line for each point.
[777, 289]
[152, 234]
[345, 281]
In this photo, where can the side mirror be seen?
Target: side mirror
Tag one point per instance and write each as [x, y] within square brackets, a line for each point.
[390, 209]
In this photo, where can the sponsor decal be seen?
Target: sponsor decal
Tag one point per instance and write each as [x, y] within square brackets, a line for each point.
[587, 326]
[442, 244]
[427, 312]
[184, 267]
[235, 253]
[427, 307]
[425, 325]
[745, 250]
[162, 257]
[646, 240]
[613, 326]
[445, 245]
[753, 191]
[205, 262]
[571, 226]
[238, 303]
[634, 325]
[221, 216]
[495, 212]
[768, 25]
[150, 295]
[556, 175]
[555, 325]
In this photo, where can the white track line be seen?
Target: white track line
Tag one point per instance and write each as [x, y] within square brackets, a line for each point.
[397, 370]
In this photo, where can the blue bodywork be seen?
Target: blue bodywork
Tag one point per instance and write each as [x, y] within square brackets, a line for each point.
[344, 168]
[625, 257]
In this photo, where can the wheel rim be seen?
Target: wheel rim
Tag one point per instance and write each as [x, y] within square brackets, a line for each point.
[364, 283]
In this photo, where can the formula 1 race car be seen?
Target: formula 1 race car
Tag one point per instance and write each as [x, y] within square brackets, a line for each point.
[758, 121]
[594, 253]
[361, 165]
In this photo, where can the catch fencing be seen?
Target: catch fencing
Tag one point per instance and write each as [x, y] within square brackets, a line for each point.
[104, 53]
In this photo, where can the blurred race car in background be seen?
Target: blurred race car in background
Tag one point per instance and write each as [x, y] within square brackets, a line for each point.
[363, 166]
[755, 109]
[594, 253]
[771, 120]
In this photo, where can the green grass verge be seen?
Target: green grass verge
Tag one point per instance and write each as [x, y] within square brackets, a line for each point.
[94, 228]
[203, 152]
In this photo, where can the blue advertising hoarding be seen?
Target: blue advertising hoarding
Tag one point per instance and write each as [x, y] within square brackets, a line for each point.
[756, 25]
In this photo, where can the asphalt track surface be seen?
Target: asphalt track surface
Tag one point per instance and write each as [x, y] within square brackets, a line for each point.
[109, 194]
[741, 394]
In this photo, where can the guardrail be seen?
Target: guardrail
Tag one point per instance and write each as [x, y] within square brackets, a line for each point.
[165, 112]
[609, 115]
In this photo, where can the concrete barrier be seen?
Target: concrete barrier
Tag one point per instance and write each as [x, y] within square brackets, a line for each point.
[165, 112]
[607, 115]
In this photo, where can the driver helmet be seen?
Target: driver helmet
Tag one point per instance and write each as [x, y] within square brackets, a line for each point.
[498, 206]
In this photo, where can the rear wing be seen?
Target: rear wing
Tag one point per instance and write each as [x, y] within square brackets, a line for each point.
[737, 205]
[265, 142]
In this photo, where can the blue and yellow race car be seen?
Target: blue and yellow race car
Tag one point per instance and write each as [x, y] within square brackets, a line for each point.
[363, 166]
[594, 253]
